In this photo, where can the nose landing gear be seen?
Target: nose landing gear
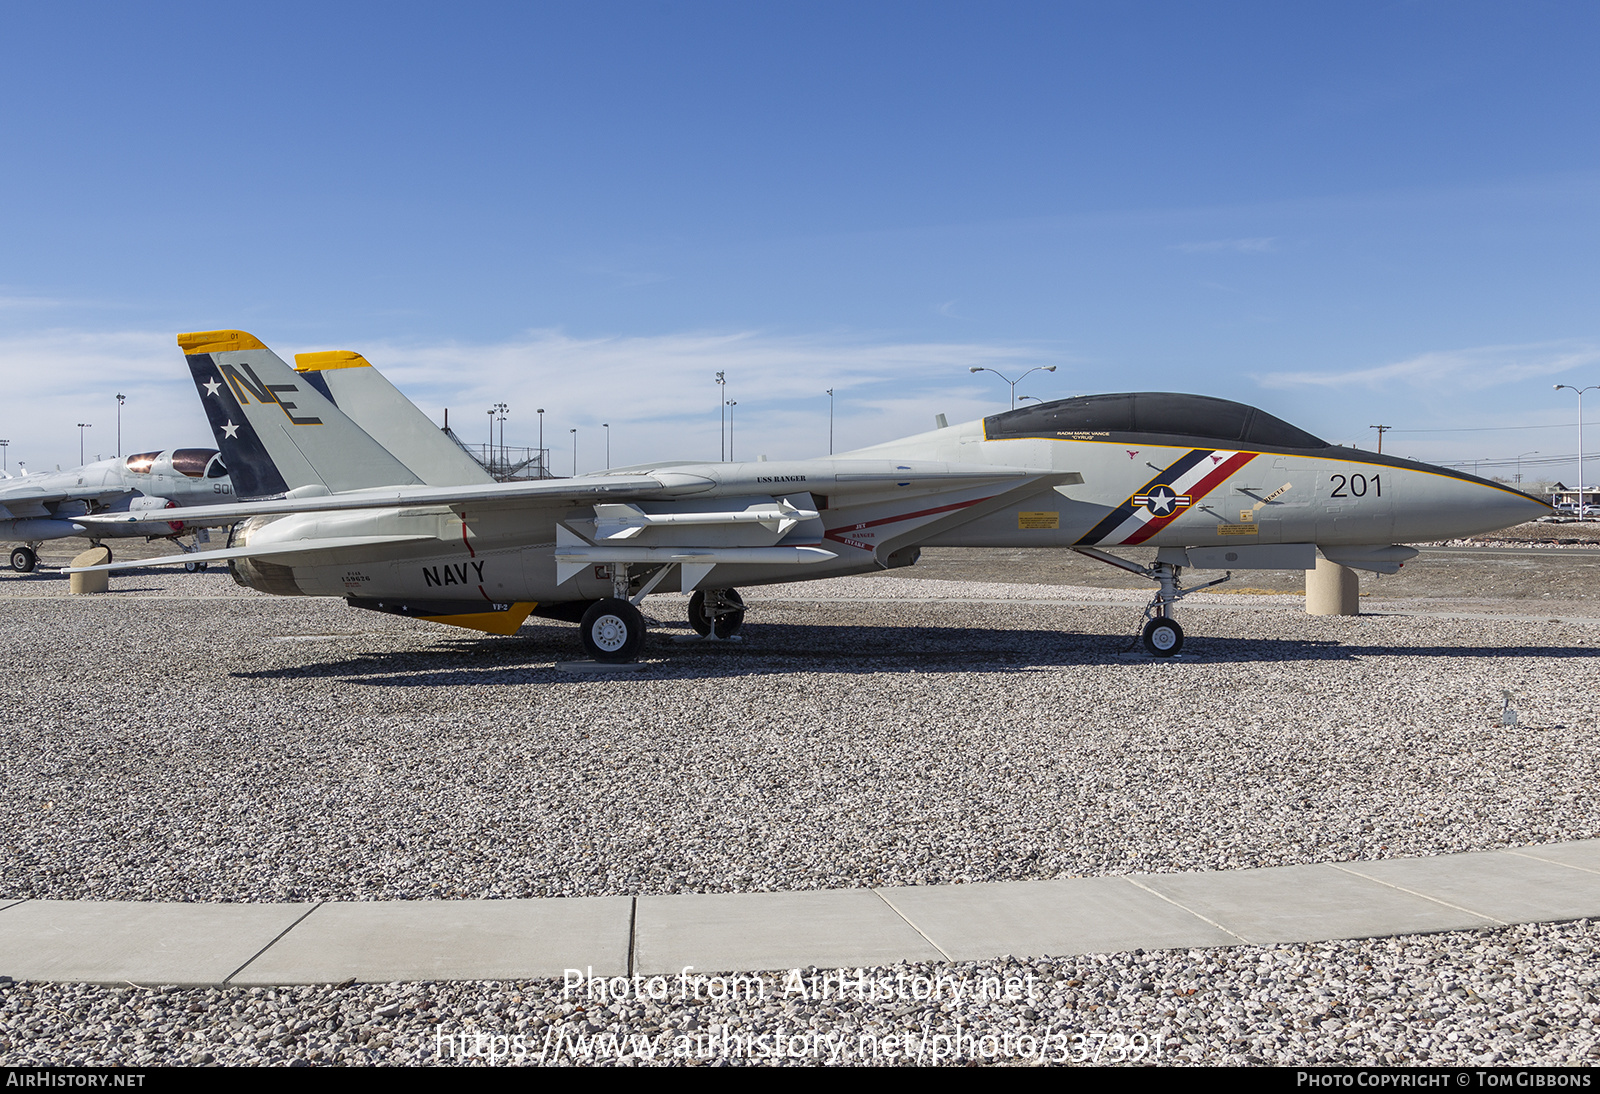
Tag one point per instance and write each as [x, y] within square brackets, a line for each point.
[24, 559]
[1162, 637]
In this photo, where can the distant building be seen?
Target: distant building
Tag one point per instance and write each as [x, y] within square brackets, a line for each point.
[1563, 496]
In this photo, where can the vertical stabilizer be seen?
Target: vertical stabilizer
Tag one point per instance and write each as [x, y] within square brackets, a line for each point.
[277, 432]
[391, 419]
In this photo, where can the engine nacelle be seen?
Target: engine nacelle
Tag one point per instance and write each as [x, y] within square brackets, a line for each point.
[259, 574]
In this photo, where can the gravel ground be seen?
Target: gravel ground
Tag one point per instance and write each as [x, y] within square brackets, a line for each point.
[183, 739]
[246, 748]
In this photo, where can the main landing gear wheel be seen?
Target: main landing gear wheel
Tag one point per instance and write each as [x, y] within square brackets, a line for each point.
[23, 559]
[726, 618]
[1162, 637]
[612, 630]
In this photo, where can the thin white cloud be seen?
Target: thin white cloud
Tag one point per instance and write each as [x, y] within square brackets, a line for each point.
[52, 380]
[1472, 369]
[658, 392]
[1252, 245]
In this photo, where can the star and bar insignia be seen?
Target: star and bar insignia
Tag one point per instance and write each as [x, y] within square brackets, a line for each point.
[1163, 501]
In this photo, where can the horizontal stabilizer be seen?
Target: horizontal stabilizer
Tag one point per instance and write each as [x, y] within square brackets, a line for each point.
[290, 547]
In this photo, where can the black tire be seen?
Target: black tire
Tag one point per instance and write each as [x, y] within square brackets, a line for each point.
[23, 559]
[698, 619]
[727, 624]
[612, 630]
[1162, 637]
[195, 567]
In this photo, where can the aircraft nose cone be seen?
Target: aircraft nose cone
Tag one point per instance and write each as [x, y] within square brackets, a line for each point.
[1498, 507]
[1533, 508]
[1441, 504]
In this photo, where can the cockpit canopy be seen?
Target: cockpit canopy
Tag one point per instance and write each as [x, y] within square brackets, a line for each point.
[196, 463]
[1161, 413]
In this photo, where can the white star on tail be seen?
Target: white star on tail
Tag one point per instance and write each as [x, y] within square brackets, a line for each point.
[230, 430]
[212, 386]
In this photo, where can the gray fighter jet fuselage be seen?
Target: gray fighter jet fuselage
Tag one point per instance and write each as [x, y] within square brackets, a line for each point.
[1212, 484]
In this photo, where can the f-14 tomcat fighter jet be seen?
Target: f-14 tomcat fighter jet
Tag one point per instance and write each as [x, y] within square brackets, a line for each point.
[330, 511]
[34, 508]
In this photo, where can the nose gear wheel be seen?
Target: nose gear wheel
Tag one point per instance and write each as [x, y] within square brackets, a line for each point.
[1162, 637]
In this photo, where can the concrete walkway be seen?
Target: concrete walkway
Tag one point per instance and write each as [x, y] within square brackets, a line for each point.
[280, 944]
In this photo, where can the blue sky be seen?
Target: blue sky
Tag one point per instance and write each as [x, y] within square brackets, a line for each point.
[1345, 213]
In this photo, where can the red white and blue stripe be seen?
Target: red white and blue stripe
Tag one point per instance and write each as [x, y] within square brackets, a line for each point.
[1166, 497]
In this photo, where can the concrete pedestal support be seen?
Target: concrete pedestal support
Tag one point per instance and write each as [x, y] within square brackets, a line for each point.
[98, 582]
[1332, 589]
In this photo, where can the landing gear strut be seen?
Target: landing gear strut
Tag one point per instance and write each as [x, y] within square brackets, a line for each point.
[719, 613]
[24, 559]
[613, 629]
[192, 567]
[1162, 637]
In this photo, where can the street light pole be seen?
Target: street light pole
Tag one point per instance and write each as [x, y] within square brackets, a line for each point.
[1018, 380]
[502, 408]
[120, 400]
[5, 456]
[830, 421]
[574, 453]
[731, 404]
[544, 472]
[722, 423]
[1580, 391]
[1535, 452]
[607, 427]
[81, 427]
